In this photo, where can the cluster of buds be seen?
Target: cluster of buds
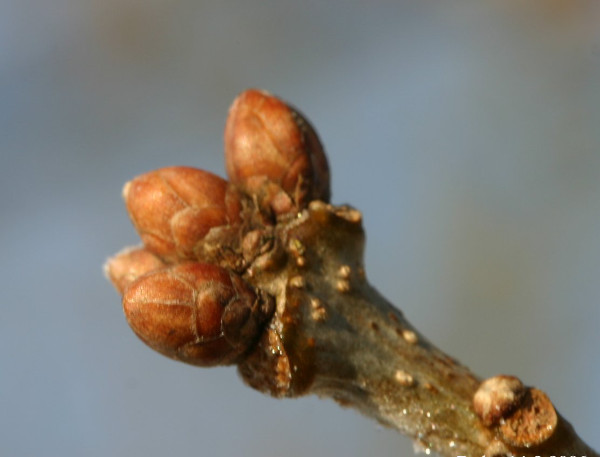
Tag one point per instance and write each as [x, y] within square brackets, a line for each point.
[184, 291]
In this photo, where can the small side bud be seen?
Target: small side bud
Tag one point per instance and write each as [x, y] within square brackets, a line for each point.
[270, 147]
[174, 208]
[128, 265]
[196, 313]
[497, 397]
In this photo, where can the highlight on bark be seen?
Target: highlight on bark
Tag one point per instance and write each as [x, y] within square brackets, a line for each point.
[261, 271]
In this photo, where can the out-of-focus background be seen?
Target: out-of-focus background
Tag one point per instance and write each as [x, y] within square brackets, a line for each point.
[467, 133]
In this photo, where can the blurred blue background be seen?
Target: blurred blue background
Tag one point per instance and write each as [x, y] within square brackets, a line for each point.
[467, 133]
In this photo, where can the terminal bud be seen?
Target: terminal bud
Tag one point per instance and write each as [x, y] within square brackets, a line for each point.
[272, 151]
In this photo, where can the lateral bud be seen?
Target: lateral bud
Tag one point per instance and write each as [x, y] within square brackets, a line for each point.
[174, 208]
[196, 313]
[497, 397]
[129, 264]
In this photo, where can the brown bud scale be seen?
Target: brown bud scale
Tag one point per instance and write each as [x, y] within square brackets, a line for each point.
[174, 208]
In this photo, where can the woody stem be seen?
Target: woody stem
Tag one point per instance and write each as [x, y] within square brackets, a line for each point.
[335, 336]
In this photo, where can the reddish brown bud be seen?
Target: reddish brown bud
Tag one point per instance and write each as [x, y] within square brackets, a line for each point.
[129, 264]
[269, 142]
[196, 313]
[174, 208]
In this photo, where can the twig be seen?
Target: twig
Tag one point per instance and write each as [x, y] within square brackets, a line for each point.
[261, 271]
[335, 336]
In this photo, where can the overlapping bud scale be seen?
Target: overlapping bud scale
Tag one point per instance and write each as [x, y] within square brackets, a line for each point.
[270, 146]
[194, 312]
[174, 208]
